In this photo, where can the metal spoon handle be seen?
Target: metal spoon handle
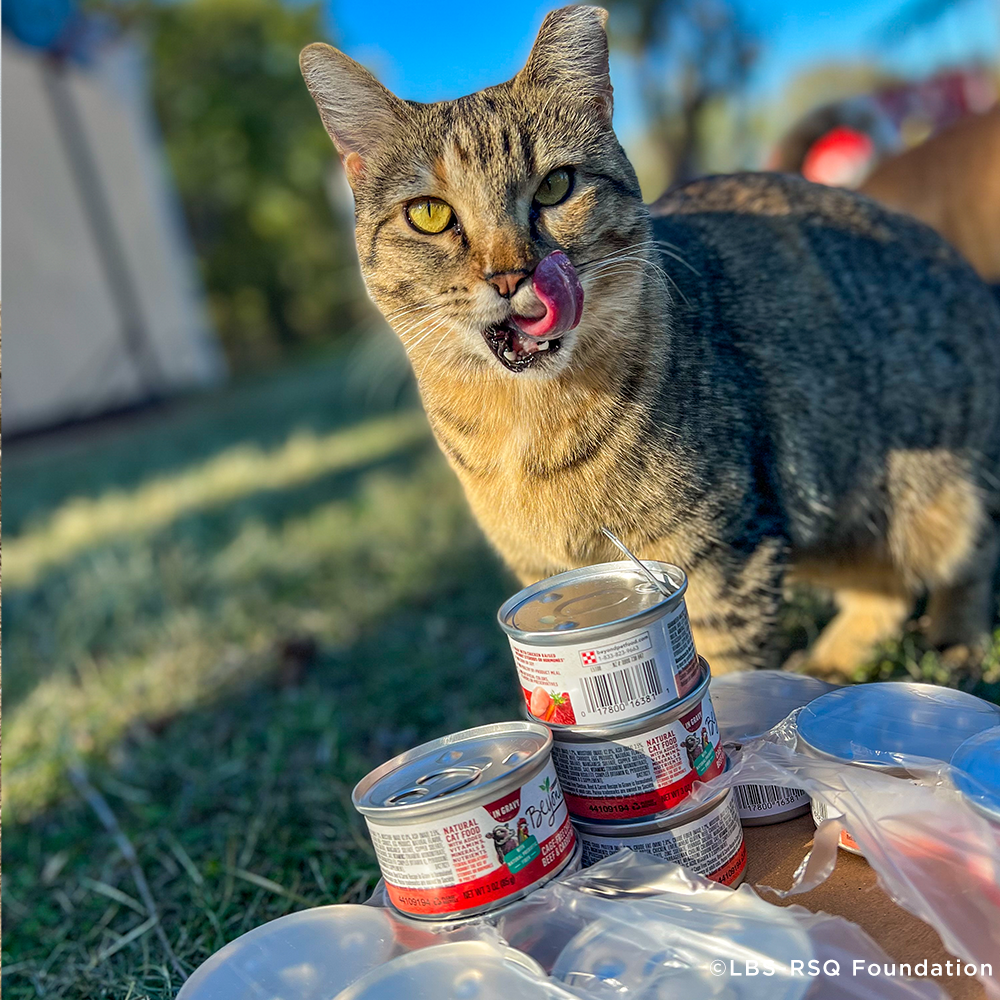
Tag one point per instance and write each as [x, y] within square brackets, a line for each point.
[615, 540]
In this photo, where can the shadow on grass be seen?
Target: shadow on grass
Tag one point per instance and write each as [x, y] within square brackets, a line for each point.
[239, 807]
[199, 535]
[318, 397]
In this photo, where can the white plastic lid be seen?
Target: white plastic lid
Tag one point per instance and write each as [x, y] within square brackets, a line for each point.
[977, 762]
[751, 703]
[461, 970]
[875, 723]
[309, 955]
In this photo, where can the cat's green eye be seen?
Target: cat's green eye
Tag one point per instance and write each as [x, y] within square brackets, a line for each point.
[430, 215]
[555, 188]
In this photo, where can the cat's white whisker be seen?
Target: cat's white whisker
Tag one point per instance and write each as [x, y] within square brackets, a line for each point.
[417, 327]
[404, 310]
[669, 250]
[424, 333]
[631, 262]
[622, 259]
[437, 326]
[434, 350]
[641, 244]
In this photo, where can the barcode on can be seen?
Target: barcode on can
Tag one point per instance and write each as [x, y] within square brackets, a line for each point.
[755, 799]
[622, 687]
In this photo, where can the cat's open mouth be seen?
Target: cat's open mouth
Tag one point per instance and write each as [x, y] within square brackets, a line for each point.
[514, 350]
[521, 342]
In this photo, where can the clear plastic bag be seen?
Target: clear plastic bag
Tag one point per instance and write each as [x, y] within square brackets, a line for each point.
[638, 927]
[632, 926]
[934, 854]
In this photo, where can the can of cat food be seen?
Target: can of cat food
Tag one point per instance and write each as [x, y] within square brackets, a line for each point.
[706, 837]
[601, 644]
[748, 705]
[977, 772]
[872, 725]
[468, 822]
[643, 766]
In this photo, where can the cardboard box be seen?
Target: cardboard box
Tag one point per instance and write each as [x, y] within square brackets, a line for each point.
[853, 892]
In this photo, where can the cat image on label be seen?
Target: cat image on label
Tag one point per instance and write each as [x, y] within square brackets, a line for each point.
[756, 378]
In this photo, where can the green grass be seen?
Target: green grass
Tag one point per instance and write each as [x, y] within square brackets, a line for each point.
[227, 612]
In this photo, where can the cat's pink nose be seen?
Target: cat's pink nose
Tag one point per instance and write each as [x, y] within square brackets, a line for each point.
[506, 284]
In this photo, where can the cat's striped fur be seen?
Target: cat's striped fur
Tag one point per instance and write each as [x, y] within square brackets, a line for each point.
[770, 378]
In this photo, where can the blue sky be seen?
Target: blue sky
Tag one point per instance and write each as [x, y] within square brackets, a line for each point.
[439, 49]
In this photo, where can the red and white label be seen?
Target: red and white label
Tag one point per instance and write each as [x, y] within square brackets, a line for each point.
[821, 812]
[640, 774]
[479, 855]
[621, 678]
[711, 845]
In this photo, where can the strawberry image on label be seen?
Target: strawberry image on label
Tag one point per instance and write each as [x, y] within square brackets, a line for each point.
[550, 706]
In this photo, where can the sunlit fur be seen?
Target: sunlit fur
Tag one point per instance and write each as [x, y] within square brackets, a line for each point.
[766, 375]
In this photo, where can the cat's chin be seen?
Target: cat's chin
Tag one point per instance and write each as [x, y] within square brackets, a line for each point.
[517, 352]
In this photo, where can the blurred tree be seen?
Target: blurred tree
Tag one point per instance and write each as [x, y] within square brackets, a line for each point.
[252, 165]
[689, 55]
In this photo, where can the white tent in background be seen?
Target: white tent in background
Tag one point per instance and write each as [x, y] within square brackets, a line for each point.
[103, 307]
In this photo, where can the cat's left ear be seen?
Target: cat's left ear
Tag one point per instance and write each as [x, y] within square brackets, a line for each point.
[358, 112]
[571, 54]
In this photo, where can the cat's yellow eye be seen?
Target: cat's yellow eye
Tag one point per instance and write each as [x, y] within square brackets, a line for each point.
[555, 188]
[430, 215]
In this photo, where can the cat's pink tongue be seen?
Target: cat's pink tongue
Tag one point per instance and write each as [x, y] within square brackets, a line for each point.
[559, 289]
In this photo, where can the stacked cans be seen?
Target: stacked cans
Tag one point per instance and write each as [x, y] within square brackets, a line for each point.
[620, 728]
[607, 661]
[476, 820]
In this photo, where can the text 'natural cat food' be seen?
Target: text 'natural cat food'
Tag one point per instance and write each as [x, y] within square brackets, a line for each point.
[641, 767]
[467, 822]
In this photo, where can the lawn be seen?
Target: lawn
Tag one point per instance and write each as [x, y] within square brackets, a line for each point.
[218, 616]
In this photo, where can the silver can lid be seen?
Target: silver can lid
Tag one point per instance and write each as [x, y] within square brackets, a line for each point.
[590, 597]
[871, 723]
[447, 773]
[751, 703]
[977, 766]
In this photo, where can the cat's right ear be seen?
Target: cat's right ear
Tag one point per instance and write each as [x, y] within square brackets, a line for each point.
[358, 112]
[571, 55]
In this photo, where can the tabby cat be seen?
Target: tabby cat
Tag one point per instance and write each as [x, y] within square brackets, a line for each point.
[756, 378]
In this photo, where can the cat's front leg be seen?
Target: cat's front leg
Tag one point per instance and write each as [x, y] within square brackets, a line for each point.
[733, 600]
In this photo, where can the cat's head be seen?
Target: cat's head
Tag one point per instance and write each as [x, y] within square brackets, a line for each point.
[502, 233]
